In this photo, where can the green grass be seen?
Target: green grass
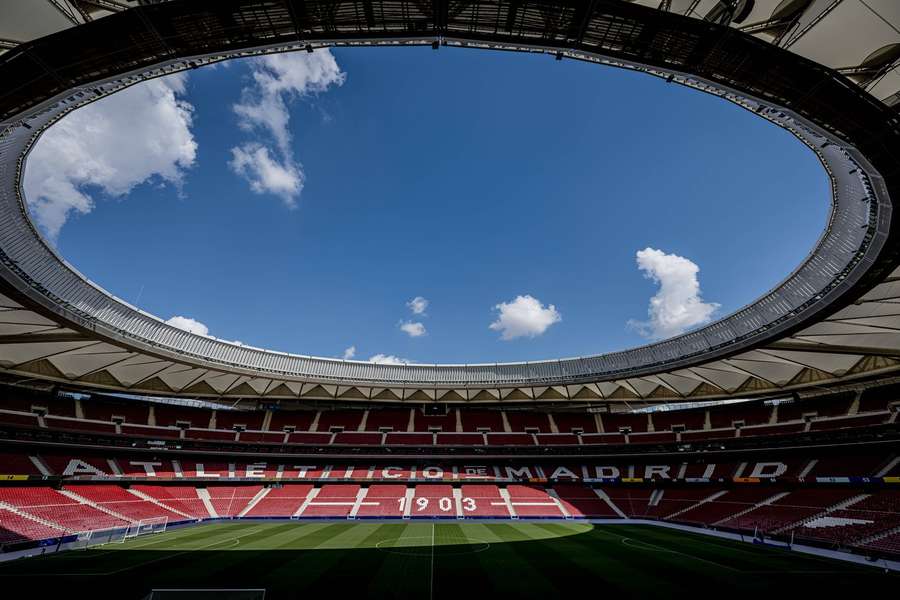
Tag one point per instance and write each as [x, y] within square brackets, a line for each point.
[460, 561]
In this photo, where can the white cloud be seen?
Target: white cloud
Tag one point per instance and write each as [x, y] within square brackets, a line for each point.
[349, 352]
[105, 145]
[278, 78]
[189, 325]
[267, 174]
[263, 110]
[418, 305]
[413, 329]
[385, 359]
[677, 305]
[524, 317]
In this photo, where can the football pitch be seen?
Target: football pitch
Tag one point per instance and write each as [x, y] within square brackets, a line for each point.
[423, 560]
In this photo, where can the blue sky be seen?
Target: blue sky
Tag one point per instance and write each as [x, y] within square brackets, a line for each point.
[300, 204]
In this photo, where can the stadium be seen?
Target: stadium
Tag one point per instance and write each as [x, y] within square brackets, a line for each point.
[758, 451]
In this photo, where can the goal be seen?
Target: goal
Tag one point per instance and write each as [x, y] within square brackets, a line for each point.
[97, 537]
[145, 526]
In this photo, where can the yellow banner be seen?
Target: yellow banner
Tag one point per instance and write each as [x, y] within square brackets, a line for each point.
[891, 479]
[13, 477]
[632, 480]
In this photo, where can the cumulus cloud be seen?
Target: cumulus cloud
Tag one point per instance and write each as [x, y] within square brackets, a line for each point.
[349, 352]
[263, 112]
[267, 174]
[524, 317]
[103, 148]
[190, 325]
[388, 359]
[412, 329]
[418, 305]
[677, 306]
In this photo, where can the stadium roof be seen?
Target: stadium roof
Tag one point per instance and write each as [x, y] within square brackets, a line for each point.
[835, 318]
[858, 38]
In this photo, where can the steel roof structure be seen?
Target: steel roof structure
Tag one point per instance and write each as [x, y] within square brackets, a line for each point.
[836, 318]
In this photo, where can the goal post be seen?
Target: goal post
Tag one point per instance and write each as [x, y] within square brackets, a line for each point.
[82, 540]
[145, 526]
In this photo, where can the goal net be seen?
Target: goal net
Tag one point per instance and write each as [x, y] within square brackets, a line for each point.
[145, 526]
[97, 537]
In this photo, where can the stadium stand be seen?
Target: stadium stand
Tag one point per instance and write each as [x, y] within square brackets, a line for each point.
[583, 501]
[672, 500]
[868, 515]
[683, 419]
[331, 501]
[434, 422]
[613, 422]
[294, 420]
[557, 439]
[485, 502]
[17, 464]
[120, 501]
[360, 438]
[434, 501]
[311, 439]
[410, 439]
[574, 422]
[383, 500]
[834, 405]
[481, 420]
[719, 507]
[460, 439]
[530, 422]
[889, 543]
[262, 437]
[339, 420]
[879, 398]
[231, 419]
[388, 419]
[281, 501]
[171, 415]
[16, 528]
[182, 500]
[99, 409]
[510, 427]
[229, 501]
[787, 508]
[510, 439]
[533, 501]
[19, 419]
[55, 507]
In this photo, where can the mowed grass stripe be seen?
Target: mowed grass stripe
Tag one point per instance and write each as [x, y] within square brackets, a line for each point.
[509, 570]
[380, 571]
[306, 566]
[299, 538]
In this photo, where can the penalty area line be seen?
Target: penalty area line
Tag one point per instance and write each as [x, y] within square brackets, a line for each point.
[648, 546]
[431, 579]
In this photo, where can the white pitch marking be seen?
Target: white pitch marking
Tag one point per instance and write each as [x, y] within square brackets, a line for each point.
[431, 582]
